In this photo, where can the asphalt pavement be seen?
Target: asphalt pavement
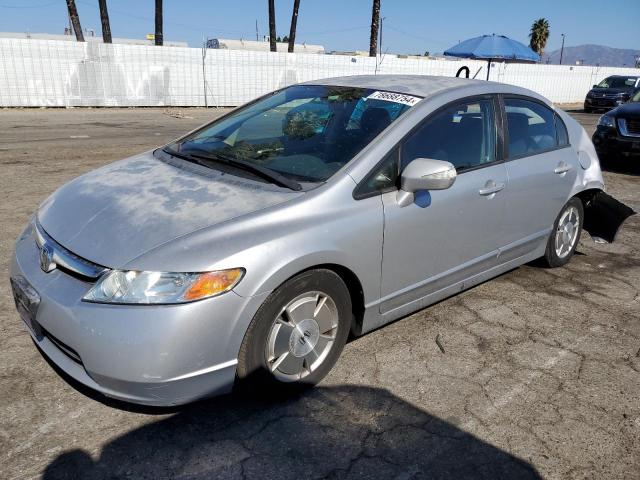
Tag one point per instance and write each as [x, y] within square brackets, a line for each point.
[538, 374]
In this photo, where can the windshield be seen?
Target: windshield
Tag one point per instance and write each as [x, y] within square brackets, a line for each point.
[618, 82]
[305, 133]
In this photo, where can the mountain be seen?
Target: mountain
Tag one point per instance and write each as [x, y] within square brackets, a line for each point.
[594, 55]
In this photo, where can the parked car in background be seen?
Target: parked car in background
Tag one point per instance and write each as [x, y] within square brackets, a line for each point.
[611, 92]
[617, 135]
[246, 252]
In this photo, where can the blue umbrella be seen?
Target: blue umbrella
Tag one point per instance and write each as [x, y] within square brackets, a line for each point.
[493, 47]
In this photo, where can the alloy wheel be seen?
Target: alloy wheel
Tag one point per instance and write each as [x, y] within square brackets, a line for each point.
[301, 336]
[567, 231]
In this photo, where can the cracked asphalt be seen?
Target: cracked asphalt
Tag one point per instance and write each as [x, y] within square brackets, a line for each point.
[540, 374]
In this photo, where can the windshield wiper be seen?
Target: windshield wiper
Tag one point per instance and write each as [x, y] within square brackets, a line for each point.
[204, 157]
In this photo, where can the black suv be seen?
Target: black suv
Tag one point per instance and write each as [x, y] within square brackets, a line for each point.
[611, 92]
[618, 131]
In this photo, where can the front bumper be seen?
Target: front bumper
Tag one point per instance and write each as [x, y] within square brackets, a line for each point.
[608, 141]
[152, 355]
[594, 103]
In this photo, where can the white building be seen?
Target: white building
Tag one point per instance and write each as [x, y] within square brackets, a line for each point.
[88, 38]
[223, 43]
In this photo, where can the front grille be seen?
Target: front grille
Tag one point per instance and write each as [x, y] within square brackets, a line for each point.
[608, 96]
[633, 125]
[63, 259]
[629, 127]
[64, 348]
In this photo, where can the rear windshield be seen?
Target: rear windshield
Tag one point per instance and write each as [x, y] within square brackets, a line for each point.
[618, 82]
[305, 132]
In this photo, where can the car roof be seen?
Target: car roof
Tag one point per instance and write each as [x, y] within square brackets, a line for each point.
[419, 85]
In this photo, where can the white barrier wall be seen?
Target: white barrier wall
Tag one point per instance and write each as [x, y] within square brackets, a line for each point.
[35, 73]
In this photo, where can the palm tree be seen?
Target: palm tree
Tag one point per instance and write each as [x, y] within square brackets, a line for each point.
[272, 26]
[294, 24]
[75, 20]
[375, 21]
[539, 35]
[158, 35]
[104, 18]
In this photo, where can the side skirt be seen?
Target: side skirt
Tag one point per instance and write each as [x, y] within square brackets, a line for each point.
[373, 319]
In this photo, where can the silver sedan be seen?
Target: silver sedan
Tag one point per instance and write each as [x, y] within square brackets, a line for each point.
[245, 253]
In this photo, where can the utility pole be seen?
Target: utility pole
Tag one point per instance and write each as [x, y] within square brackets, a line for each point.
[294, 24]
[257, 37]
[272, 26]
[380, 41]
[204, 71]
[75, 20]
[158, 36]
[562, 48]
[375, 20]
[104, 18]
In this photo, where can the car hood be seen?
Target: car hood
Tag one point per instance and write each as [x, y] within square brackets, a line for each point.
[628, 110]
[115, 214]
[609, 91]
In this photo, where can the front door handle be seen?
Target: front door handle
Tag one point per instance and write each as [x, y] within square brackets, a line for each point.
[562, 168]
[490, 188]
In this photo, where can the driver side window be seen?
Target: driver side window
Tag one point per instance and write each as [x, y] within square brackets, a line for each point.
[463, 134]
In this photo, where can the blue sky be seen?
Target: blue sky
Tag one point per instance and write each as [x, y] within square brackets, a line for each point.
[410, 26]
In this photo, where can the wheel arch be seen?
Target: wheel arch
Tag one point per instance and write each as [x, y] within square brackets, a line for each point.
[353, 284]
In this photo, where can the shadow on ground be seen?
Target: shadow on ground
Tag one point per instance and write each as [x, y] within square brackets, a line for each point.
[330, 432]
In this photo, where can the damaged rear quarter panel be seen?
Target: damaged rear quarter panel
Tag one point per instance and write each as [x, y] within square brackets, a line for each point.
[604, 215]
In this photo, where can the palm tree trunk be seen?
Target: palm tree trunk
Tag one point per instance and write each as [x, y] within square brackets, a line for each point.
[104, 18]
[158, 36]
[375, 21]
[75, 20]
[294, 24]
[272, 26]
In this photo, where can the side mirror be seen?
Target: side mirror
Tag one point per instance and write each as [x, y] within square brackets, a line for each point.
[595, 86]
[424, 174]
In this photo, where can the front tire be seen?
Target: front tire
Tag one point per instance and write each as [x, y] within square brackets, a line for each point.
[565, 235]
[297, 334]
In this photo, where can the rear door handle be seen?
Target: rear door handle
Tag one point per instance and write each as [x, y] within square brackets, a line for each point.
[491, 188]
[562, 168]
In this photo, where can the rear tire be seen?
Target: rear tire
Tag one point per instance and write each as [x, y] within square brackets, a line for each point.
[565, 235]
[296, 336]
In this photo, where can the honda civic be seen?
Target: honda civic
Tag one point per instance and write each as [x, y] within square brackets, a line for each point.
[247, 252]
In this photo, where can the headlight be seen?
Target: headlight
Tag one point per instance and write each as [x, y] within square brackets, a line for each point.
[607, 121]
[130, 287]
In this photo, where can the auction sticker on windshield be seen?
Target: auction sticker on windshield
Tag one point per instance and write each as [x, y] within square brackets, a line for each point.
[395, 97]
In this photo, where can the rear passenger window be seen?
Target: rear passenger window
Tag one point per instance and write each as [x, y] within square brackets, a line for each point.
[531, 127]
[563, 135]
[463, 134]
